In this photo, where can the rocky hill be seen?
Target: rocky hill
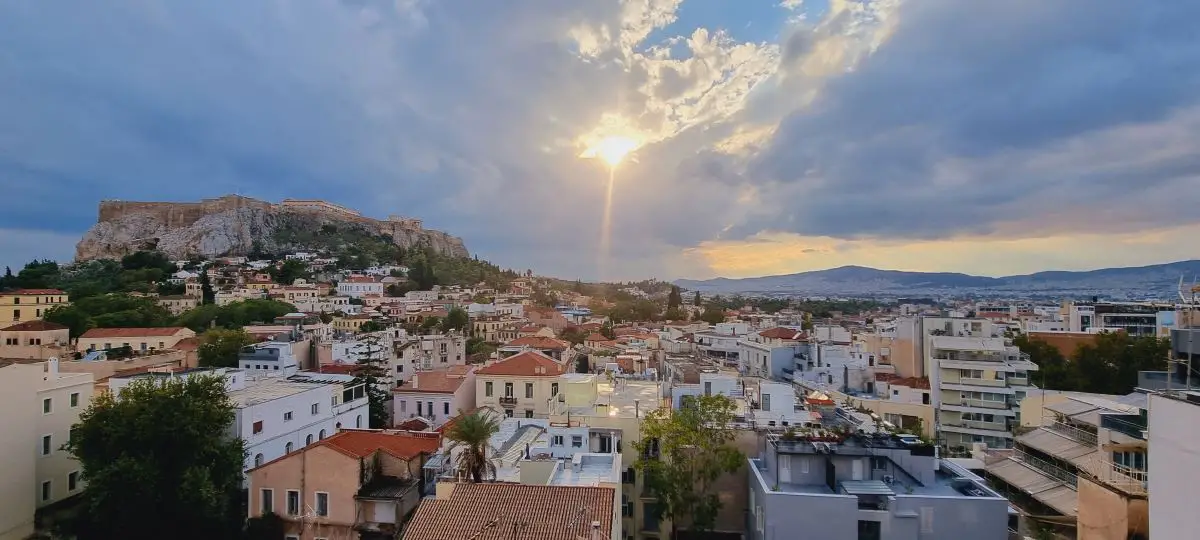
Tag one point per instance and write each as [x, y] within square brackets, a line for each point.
[234, 225]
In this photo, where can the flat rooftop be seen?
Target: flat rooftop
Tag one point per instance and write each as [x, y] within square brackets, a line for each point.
[592, 469]
[623, 398]
[270, 389]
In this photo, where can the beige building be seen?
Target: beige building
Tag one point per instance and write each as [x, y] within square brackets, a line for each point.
[520, 385]
[177, 304]
[141, 340]
[35, 339]
[61, 397]
[355, 482]
[18, 491]
[28, 304]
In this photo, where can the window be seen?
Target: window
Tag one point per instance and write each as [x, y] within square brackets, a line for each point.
[316, 408]
[508, 413]
[74, 399]
[258, 427]
[308, 440]
[528, 413]
[869, 530]
[508, 389]
[528, 390]
[47, 446]
[287, 416]
[446, 407]
[321, 436]
[46, 491]
[73, 481]
[556, 440]
[970, 373]
[628, 476]
[766, 402]
[487, 389]
[418, 408]
[576, 441]
[287, 448]
[403, 405]
[16, 314]
[322, 503]
[358, 421]
[553, 389]
[878, 463]
[268, 500]
[293, 502]
[258, 460]
[47, 406]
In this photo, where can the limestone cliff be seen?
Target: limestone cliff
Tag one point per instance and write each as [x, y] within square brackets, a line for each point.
[233, 225]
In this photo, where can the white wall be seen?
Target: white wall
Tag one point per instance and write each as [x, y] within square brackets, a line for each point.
[1174, 471]
[276, 432]
[18, 449]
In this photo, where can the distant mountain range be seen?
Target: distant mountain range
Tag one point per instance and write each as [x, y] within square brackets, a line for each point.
[1158, 281]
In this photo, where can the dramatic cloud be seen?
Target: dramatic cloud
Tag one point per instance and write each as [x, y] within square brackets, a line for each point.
[796, 136]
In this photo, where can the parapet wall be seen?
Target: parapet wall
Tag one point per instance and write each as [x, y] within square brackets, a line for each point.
[177, 214]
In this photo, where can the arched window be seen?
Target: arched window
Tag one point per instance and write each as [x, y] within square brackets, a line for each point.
[322, 434]
[308, 440]
[358, 421]
[288, 449]
[258, 459]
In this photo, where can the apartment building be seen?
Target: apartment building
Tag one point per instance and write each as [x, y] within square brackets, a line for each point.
[276, 415]
[870, 487]
[978, 383]
[22, 305]
[270, 358]
[19, 491]
[177, 304]
[611, 414]
[521, 385]
[61, 397]
[359, 286]
[141, 340]
[771, 353]
[436, 395]
[35, 339]
[413, 354]
[1086, 461]
[355, 484]
[557, 349]
[1172, 433]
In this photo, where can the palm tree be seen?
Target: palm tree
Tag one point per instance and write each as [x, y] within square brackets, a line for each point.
[470, 435]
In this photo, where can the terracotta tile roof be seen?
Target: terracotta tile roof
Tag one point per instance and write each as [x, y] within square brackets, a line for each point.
[494, 511]
[132, 332]
[920, 383]
[32, 292]
[595, 337]
[539, 342]
[360, 279]
[414, 424]
[438, 381]
[532, 328]
[188, 344]
[525, 364]
[449, 423]
[361, 444]
[340, 369]
[34, 326]
[780, 332]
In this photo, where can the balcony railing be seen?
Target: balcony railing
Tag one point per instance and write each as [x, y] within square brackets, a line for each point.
[1045, 467]
[1103, 470]
[993, 383]
[1074, 433]
[984, 404]
[976, 424]
[508, 400]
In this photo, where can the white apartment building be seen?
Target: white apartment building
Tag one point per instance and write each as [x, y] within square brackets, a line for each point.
[326, 304]
[19, 448]
[359, 286]
[270, 358]
[775, 405]
[275, 414]
[422, 353]
[1172, 473]
[61, 397]
[775, 352]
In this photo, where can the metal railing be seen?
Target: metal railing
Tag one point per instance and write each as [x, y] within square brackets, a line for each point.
[1045, 467]
[1074, 433]
[1127, 479]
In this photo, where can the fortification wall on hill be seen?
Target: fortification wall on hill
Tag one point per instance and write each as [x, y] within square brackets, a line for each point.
[177, 214]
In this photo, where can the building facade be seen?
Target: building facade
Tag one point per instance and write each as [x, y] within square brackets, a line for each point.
[436, 395]
[141, 340]
[23, 305]
[520, 385]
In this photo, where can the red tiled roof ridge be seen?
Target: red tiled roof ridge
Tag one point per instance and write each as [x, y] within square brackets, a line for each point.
[28, 292]
[34, 326]
[524, 365]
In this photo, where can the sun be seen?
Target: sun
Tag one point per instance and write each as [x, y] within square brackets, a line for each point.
[611, 149]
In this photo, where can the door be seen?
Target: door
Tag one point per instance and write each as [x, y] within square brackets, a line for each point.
[856, 470]
[606, 444]
[785, 469]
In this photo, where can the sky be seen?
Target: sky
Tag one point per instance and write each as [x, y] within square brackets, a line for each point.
[769, 136]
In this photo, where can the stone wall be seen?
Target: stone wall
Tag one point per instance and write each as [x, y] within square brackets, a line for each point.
[177, 214]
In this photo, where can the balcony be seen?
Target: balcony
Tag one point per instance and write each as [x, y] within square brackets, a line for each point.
[1075, 433]
[990, 383]
[508, 401]
[985, 404]
[1102, 470]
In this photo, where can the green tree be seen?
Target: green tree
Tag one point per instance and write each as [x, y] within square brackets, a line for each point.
[607, 330]
[713, 314]
[207, 294]
[470, 435]
[70, 316]
[159, 462]
[140, 260]
[234, 314]
[9, 281]
[372, 326]
[682, 455]
[456, 319]
[1053, 370]
[289, 272]
[41, 274]
[113, 310]
[696, 301]
[573, 335]
[429, 324]
[674, 299]
[219, 347]
[268, 526]
[806, 323]
[373, 363]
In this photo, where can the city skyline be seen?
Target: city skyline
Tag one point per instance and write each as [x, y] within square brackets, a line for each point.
[762, 138]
